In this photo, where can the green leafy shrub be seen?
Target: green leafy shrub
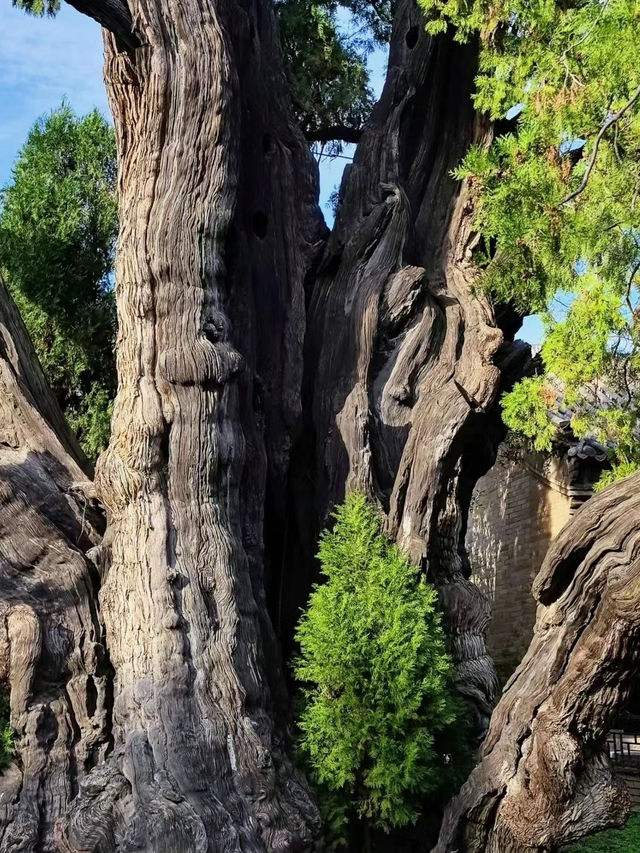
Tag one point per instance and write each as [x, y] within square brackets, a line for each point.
[58, 226]
[625, 840]
[378, 704]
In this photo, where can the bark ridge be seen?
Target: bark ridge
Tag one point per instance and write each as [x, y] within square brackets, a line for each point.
[544, 779]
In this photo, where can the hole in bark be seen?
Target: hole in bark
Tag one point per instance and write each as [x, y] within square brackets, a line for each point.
[47, 729]
[562, 577]
[267, 143]
[92, 697]
[260, 222]
[411, 37]
[331, 267]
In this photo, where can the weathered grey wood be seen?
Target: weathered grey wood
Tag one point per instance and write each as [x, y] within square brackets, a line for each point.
[404, 360]
[402, 348]
[543, 779]
[52, 658]
[219, 222]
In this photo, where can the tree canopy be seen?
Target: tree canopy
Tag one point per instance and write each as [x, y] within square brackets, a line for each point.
[556, 201]
[58, 226]
[327, 72]
[325, 46]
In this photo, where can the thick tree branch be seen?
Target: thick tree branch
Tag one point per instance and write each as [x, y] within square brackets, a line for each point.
[113, 15]
[388, 352]
[335, 132]
[199, 760]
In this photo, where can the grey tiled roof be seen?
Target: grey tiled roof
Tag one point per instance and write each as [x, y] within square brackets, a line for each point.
[588, 448]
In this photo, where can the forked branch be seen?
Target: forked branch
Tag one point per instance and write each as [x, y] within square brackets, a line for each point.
[612, 118]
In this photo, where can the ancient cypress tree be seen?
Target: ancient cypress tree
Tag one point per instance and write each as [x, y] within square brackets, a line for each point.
[217, 203]
[265, 367]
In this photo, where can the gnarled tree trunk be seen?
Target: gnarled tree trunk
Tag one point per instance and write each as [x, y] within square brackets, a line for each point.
[218, 225]
[403, 363]
[543, 779]
[403, 353]
[53, 662]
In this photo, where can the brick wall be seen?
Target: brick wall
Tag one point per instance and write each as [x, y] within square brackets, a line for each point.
[516, 510]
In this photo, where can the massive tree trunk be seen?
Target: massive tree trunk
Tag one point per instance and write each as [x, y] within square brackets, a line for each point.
[185, 749]
[219, 222]
[219, 230]
[403, 352]
[543, 779]
[52, 656]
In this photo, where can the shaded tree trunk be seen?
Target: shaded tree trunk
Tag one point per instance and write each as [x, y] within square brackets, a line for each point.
[53, 661]
[402, 352]
[544, 779]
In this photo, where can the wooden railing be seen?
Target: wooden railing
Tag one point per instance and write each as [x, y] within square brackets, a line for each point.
[623, 749]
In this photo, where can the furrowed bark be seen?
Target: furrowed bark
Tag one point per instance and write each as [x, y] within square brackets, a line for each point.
[52, 658]
[402, 349]
[218, 225]
[405, 359]
[543, 779]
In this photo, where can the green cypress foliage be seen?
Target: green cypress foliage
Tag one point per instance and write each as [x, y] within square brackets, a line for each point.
[38, 7]
[58, 226]
[327, 71]
[557, 199]
[378, 702]
[6, 733]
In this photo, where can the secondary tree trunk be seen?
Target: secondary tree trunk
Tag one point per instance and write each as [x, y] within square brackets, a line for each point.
[403, 354]
[52, 657]
[218, 225]
[544, 779]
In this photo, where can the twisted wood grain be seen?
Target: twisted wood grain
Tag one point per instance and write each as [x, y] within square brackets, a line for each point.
[53, 662]
[543, 779]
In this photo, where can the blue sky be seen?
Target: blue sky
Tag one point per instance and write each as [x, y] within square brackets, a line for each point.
[43, 61]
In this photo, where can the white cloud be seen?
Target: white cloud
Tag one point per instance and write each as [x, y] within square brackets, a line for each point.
[42, 61]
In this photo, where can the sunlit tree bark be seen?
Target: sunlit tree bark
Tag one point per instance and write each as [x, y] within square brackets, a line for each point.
[543, 779]
[53, 660]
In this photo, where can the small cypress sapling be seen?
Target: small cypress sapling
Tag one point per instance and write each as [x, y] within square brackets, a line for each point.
[377, 694]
